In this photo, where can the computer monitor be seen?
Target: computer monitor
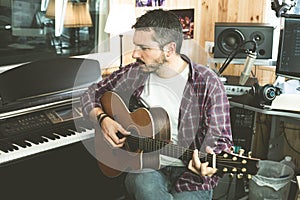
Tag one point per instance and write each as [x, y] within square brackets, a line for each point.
[26, 19]
[288, 59]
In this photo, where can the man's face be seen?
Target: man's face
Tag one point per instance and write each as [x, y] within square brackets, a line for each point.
[147, 52]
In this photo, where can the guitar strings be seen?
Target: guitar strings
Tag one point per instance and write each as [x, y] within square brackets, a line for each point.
[159, 145]
[169, 147]
[163, 146]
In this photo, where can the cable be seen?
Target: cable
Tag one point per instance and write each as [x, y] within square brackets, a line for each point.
[227, 61]
[234, 52]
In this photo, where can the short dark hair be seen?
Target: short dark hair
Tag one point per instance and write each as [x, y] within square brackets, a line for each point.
[165, 24]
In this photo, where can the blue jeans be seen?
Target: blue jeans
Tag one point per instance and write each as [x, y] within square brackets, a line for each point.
[159, 185]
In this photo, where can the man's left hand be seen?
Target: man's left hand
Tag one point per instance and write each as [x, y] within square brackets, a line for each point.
[197, 167]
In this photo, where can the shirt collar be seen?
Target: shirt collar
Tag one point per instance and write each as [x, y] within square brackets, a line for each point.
[191, 64]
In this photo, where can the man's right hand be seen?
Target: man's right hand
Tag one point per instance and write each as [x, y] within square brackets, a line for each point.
[110, 128]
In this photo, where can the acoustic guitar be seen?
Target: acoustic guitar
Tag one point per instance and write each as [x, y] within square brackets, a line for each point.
[150, 137]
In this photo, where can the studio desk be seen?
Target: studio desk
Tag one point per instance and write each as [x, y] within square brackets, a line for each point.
[278, 120]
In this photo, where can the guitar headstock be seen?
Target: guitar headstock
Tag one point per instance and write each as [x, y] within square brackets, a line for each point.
[235, 164]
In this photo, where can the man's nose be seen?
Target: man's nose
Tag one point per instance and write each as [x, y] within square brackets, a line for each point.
[136, 53]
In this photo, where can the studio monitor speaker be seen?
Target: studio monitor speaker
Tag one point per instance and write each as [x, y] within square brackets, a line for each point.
[228, 36]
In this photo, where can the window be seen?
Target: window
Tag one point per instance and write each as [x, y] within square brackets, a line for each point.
[27, 30]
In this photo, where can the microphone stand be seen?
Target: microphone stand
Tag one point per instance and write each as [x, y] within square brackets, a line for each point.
[121, 51]
[233, 53]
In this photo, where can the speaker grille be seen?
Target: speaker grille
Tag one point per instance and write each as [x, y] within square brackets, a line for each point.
[228, 36]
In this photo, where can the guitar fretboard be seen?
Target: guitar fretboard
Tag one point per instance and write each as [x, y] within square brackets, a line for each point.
[172, 150]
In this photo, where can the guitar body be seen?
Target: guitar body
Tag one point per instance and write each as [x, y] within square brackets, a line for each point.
[150, 123]
[150, 137]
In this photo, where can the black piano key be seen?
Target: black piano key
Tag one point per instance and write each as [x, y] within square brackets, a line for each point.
[6, 146]
[36, 139]
[51, 136]
[13, 147]
[43, 139]
[67, 132]
[64, 133]
[80, 129]
[71, 132]
[21, 142]
[28, 144]
[32, 140]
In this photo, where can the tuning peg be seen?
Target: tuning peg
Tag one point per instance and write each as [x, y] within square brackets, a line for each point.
[250, 154]
[234, 169]
[240, 176]
[244, 169]
[249, 176]
[225, 170]
[241, 152]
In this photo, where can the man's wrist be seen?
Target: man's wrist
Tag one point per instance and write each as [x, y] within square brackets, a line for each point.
[102, 118]
[99, 116]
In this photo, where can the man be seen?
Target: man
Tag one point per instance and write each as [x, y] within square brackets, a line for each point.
[192, 95]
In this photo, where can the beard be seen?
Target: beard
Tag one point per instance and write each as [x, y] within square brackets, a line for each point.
[154, 66]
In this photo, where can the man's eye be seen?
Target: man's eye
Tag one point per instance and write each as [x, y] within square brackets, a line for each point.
[144, 48]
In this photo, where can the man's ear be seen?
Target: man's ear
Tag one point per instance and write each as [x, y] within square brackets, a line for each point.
[170, 48]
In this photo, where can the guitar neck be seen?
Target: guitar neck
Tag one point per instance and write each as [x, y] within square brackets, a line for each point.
[226, 162]
[165, 148]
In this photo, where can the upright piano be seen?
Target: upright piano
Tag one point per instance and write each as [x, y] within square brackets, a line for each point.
[42, 131]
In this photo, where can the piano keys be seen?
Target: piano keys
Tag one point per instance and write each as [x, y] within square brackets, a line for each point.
[39, 131]
[12, 150]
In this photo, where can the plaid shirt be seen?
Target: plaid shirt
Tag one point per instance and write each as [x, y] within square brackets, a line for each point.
[204, 117]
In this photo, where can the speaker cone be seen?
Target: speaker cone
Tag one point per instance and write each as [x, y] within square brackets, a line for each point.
[229, 40]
